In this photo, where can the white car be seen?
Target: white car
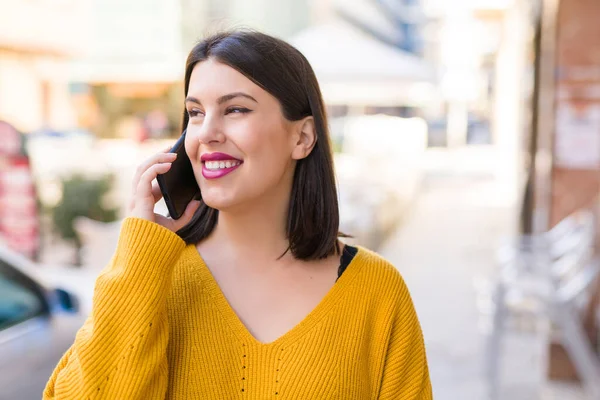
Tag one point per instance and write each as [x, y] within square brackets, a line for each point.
[38, 323]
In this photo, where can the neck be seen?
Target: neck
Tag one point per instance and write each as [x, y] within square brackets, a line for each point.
[257, 232]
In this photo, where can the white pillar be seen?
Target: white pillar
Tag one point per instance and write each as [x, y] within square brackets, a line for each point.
[507, 121]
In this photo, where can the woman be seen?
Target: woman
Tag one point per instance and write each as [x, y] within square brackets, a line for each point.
[250, 294]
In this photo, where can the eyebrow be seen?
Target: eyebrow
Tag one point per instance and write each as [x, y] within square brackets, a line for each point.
[224, 98]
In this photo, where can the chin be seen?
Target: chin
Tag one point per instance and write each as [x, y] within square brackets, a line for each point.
[221, 203]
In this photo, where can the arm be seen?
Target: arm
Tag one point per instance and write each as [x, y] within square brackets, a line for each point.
[405, 374]
[120, 352]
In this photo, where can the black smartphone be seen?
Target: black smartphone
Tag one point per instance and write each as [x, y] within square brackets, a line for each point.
[178, 185]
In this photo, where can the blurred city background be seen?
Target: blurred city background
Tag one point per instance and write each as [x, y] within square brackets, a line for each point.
[480, 117]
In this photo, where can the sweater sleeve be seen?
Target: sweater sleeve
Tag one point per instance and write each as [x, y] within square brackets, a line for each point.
[405, 374]
[120, 352]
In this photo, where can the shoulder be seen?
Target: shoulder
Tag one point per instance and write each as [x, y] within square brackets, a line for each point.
[378, 270]
[382, 293]
[378, 279]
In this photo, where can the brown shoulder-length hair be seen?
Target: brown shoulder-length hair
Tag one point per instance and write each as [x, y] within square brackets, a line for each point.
[281, 70]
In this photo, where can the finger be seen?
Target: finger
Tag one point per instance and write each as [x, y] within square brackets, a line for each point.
[187, 215]
[164, 221]
[191, 209]
[144, 187]
[155, 159]
[156, 192]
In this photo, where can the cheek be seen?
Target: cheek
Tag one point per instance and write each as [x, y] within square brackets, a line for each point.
[265, 137]
[191, 147]
[266, 148]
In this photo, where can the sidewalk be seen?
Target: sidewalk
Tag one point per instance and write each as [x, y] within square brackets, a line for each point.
[448, 242]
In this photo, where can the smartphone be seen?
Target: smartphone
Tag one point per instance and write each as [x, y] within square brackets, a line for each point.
[178, 185]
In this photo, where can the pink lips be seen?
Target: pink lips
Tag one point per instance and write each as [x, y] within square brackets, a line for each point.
[214, 174]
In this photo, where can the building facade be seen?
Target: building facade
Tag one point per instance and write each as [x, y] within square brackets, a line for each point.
[127, 81]
[37, 40]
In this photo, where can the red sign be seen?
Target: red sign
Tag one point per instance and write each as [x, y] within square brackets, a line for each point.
[19, 221]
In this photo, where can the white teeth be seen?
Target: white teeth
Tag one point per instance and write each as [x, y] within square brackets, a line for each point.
[215, 165]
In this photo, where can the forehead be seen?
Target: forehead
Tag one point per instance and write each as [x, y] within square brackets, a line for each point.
[212, 78]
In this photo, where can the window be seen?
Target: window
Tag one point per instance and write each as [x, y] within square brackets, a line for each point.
[20, 298]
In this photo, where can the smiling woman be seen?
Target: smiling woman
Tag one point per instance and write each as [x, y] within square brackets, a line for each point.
[237, 99]
[250, 294]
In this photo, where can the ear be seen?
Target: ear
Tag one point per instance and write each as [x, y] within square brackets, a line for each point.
[305, 138]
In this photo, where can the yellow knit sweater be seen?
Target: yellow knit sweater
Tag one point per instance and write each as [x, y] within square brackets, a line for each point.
[161, 328]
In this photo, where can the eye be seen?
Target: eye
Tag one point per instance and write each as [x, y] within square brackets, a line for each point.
[237, 110]
[194, 112]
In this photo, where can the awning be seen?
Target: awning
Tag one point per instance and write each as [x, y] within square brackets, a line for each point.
[338, 51]
[354, 68]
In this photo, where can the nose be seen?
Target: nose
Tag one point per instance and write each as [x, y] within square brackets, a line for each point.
[210, 131]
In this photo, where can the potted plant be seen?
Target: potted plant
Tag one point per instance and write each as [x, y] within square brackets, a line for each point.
[81, 196]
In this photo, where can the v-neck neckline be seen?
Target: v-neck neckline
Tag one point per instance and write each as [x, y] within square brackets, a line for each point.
[332, 296]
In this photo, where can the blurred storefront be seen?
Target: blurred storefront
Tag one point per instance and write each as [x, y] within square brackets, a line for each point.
[129, 110]
[132, 69]
[134, 64]
[564, 147]
[575, 177]
[37, 39]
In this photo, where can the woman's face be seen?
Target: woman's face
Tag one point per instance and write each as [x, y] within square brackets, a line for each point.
[240, 145]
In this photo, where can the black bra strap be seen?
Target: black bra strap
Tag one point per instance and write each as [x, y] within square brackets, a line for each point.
[347, 255]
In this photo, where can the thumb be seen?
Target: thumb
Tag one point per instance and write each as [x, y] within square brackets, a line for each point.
[190, 210]
[188, 213]
[176, 224]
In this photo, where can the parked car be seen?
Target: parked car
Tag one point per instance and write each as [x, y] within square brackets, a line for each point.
[37, 325]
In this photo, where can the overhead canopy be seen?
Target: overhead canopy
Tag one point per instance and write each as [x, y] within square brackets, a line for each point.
[340, 52]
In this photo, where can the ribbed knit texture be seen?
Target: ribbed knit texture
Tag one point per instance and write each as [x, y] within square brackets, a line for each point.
[162, 329]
